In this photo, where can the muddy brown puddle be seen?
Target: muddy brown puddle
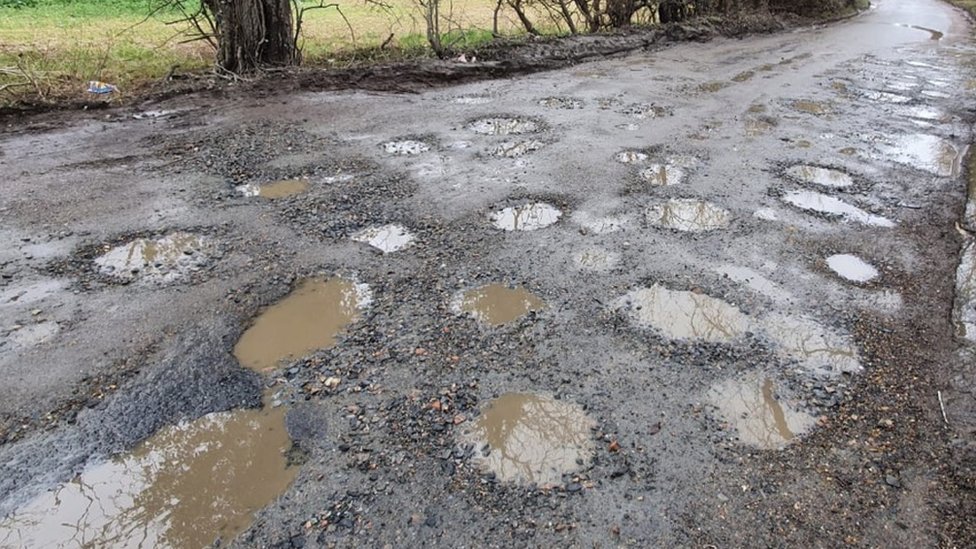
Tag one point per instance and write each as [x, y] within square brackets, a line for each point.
[531, 438]
[497, 304]
[750, 406]
[684, 314]
[276, 189]
[307, 319]
[185, 487]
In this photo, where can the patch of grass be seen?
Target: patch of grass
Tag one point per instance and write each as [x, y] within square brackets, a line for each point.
[968, 5]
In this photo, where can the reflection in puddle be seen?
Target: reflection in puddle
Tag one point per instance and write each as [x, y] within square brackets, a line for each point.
[964, 312]
[820, 176]
[405, 147]
[688, 215]
[185, 487]
[504, 126]
[527, 217]
[595, 259]
[497, 304]
[750, 406]
[662, 175]
[515, 149]
[307, 319]
[277, 189]
[811, 107]
[851, 267]
[387, 238]
[925, 152]
[817, 202]
[532, 438]
[684, 315]
[561, 103]
[815, 347]
[164, 259]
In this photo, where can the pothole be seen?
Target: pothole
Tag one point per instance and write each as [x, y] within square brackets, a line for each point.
[811, 107]
[817, 349]
[526, 217]
[497, 304]
[187, 486]
[386, 238]
[561, 103]
[851, 267]
[925, 152]
[162, 259]
[307, 319]
[822, 203]
[591, 224]
[749, 404]
[631, 157]
[663, 174]
[504, 126]
[820, 176]
[596, 259]
[688, 215]
[682, 314]
[406, 147]
[515, 149]
[276, 189]
[531, 438]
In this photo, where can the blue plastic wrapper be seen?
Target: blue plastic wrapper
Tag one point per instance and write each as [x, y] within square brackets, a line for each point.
[101, 87]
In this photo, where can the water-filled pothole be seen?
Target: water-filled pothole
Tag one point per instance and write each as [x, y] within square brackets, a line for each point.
[663, 174]
[497, 304]
[816, 348]
[515, 149]
[526, 217]
[684, 314]
[688, 215]
[885, 97]
[631, 157]
[386, 238]
[186, 486]
[925, 152]
[308, 318]
[852, 268]
[406, 147]
[822, 203]
[504, 126]
[820, 176]
[162, 259]
[531, 438]
[749, 404]
[276, 189]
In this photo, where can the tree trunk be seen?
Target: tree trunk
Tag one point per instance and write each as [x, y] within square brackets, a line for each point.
[253, 33]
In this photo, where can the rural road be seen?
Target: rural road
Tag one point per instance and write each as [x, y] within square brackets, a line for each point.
[704, 296]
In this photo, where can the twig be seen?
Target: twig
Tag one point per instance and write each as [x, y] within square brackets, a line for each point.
[942, 407]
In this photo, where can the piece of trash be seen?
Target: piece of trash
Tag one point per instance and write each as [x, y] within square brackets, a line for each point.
[101, 87]
[462, 58]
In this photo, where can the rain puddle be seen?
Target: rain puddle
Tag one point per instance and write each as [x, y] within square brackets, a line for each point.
[595, 259]
[662, 174]
[515, 149]
[820, 176]
[851, 267]
[925, 152]
[504, 126]
[811, 107]
[387, 238]
[688, 215]
[307, 319]
[750, 406]
[531, 438]
[527, 217]
[817, 349]
[277, 189]
[685, 315]
[630, 157]
[163, 259]
[821, 203]
[497, 304]
[406, 147]
[561, 103]
[885, 97]
[924, 112]
[186, 487]
[964, 313]
[754, 281]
